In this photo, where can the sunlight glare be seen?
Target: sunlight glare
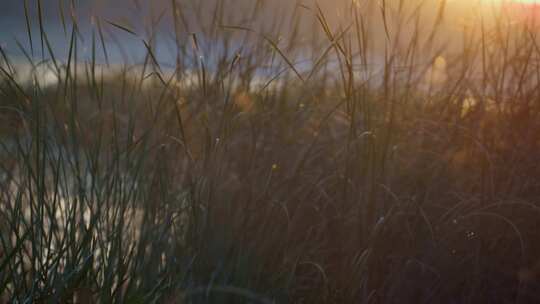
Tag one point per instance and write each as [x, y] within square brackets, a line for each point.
[527, 1]
[510, 2]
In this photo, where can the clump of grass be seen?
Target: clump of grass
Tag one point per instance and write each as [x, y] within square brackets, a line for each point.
[297, 160]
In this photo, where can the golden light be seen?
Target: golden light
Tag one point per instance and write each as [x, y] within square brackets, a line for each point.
[533, 2]
[525, 10]
[525, 3]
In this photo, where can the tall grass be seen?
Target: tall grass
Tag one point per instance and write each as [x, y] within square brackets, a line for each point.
[285, 157]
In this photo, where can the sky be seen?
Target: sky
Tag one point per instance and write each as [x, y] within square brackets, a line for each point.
[12, 16]
[138, 14]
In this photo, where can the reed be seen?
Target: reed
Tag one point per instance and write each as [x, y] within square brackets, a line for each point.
[286, 156]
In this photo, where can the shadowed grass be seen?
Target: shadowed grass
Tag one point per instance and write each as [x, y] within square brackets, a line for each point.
[364, 160]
